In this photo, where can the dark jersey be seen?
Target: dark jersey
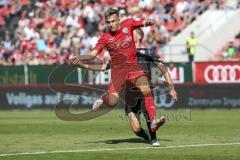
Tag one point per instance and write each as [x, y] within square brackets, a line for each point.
[147, 58]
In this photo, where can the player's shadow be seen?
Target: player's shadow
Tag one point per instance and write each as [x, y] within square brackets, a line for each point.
[128, 140]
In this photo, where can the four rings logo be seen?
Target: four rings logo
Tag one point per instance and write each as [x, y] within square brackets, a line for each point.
[222, 74]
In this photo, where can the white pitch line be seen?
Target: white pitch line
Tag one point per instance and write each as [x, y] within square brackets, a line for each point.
[115, 149]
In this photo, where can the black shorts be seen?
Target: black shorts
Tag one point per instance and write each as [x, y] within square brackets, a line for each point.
[136, 109]
[134, 101]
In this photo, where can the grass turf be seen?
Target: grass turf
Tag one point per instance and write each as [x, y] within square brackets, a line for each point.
[33, 131]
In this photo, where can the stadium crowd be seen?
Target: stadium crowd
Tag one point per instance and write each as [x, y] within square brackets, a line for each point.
[229, 51]
[50, 32]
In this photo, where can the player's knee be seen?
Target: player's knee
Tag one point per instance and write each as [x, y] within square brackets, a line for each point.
[146, 90]
[113, 102]
[137, 130]
[136, 127]
[110, 99]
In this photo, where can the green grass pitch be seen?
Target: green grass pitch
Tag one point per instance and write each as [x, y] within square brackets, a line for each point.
[110, 137]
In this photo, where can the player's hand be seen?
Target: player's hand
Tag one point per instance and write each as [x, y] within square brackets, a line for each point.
[74, 62]
[173, 94]
[149, 22]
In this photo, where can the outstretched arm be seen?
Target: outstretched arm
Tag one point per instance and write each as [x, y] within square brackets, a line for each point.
[91, 55]
[94, 67]
[168, 78]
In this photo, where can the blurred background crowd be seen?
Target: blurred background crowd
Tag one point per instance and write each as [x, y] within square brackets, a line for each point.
[42, 32]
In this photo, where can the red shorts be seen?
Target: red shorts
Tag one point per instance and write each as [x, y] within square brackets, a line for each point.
[120, 76]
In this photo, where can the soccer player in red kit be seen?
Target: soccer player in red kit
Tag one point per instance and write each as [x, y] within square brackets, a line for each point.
[133, 99]
[119, 42]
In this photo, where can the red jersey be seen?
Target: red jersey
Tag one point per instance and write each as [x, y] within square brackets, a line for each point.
[120, 44]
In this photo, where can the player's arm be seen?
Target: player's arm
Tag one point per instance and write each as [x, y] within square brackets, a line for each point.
[168, 78]
[90, 55]
[75, 61]
[140, 22]
[94, 67]
[148, 22]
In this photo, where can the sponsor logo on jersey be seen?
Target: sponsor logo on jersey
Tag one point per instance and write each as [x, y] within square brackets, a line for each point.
[136, 19]
[125, 30]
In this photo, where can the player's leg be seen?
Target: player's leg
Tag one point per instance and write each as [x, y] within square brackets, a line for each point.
[109, 99]
[135, 124]
[143, 85]
[153, 136]
[146, 116]
[132, 101]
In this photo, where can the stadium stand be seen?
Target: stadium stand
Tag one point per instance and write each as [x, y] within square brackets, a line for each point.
[230, 51]
[49, 32]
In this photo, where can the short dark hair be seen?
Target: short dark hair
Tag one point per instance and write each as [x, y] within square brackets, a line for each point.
[140, 32]
[110, 12]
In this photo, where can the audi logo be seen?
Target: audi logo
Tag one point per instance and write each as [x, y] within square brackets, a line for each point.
[160, 98]
[222, 74]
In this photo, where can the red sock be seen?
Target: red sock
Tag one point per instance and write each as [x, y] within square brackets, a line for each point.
[150, 106]
[105, 98]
